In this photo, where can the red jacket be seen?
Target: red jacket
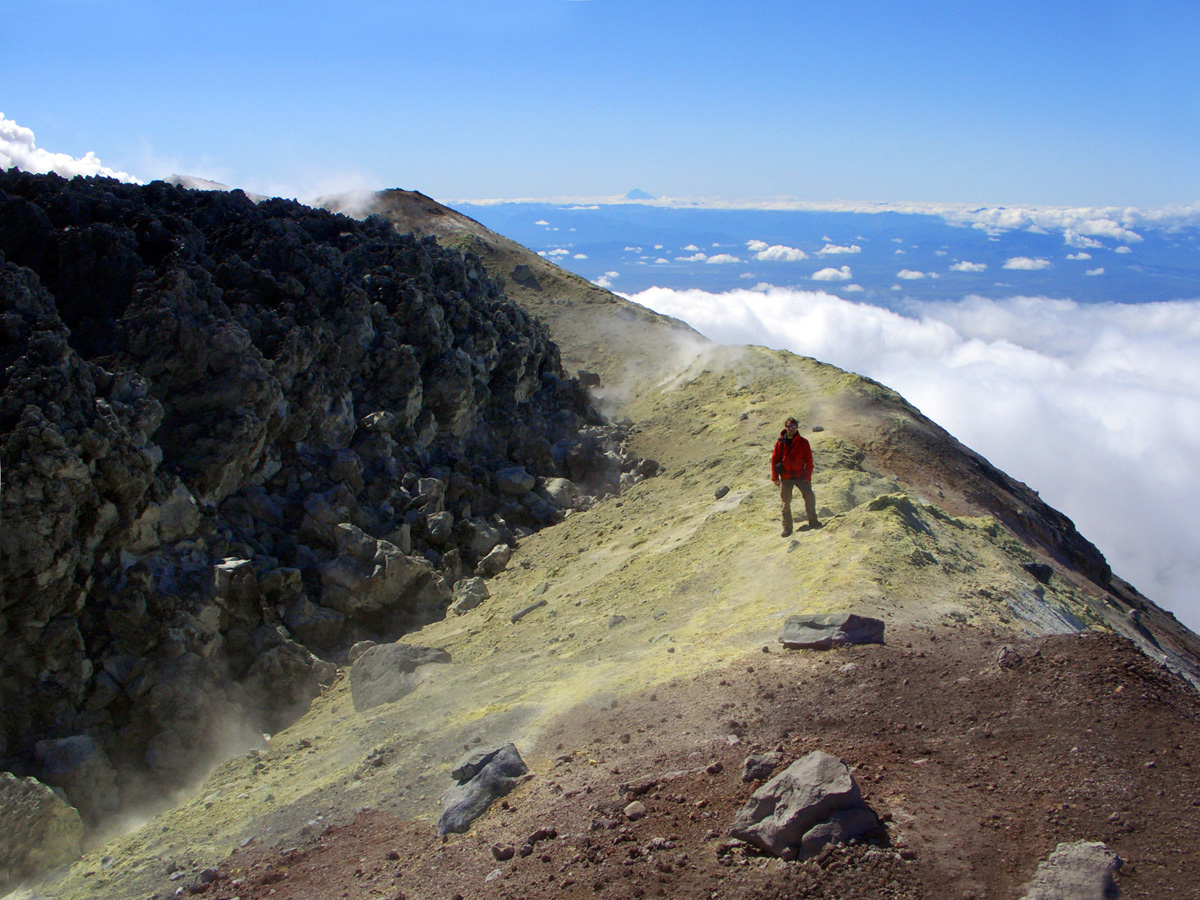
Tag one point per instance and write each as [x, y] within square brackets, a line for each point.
[796, 456]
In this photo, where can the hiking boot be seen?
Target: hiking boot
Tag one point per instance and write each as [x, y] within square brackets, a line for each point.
[787, 532]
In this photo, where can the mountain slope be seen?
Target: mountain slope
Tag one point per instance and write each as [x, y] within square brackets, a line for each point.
[645, 662]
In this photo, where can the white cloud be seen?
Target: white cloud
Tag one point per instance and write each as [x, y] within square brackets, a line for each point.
[1080, 255]
[695, 257]
[1124, 249]
[633, 249]
[831, 249]
[965, 266]
[579, 256]
[18, 149]
[662, 259]
[775, 252]
[1024, 262]
[1015, 379]
[722, 259]
[842, 274]
[560, 251]
[692, 248]
[1099, 271]
[541, 222]
[1075, 239]
[854, 288]
[910, 275]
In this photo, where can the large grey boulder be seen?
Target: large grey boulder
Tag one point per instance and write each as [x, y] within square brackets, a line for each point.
[813, 792]
[370, 576]
[41, 830]
[483, 777]
[82, 769]
[387, 672]
[1079, 871]
[820, 632]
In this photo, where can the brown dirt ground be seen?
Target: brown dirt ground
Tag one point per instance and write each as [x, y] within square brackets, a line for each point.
[978, 771]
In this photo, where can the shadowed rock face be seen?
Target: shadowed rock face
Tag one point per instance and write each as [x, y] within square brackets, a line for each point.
[199, 398]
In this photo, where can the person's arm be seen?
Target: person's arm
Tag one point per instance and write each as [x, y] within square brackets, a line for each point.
[806, 462]
[776, 456]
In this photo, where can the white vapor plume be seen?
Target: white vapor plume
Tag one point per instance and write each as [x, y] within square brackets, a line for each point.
[1096, 406]
[19, 150]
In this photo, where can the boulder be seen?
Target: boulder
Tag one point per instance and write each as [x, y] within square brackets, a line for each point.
[483, 777]
[781, 813]
[439, 527]
[821, 632]
[468, 594]
[81, 768]
[1077, 871]
[495, 562]
[387, 672]
[562, 492]
[514, 481]
[371, 576]
[41, 830]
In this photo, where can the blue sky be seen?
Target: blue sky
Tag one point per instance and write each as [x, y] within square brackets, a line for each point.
[1061, 103]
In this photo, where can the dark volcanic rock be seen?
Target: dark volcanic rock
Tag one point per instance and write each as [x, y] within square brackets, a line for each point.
[822, 631]
[232, 434]
[483, 777]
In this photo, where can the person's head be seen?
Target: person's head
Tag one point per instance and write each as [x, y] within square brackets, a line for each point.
[790, 425]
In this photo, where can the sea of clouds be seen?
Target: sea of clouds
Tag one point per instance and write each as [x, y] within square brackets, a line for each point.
[1097, 407]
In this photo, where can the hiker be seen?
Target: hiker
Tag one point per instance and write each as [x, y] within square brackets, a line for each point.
[791, 467]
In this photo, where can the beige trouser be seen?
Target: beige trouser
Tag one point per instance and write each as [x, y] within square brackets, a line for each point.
[785, 497]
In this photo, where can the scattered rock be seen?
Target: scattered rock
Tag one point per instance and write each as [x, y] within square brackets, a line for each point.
[635, 810]
[760, 766]
[522, 613]
[721, 492]
[483, 777]
[820, 632]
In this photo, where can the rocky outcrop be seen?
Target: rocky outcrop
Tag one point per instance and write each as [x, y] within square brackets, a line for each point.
[237, 438]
